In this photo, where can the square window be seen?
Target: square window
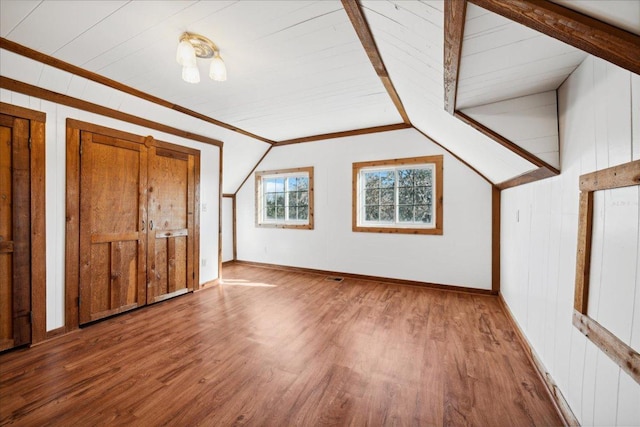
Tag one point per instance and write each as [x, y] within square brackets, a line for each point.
[398, 196]
[283, 198]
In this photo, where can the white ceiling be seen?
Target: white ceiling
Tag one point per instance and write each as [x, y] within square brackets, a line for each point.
[502, 59]
[296, 68]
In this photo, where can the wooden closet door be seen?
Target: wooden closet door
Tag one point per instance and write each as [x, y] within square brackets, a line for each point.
[113, 180]
[171, 206]
[15, 233]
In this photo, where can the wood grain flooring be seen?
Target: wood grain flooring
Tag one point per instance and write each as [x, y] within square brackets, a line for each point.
[277, 348]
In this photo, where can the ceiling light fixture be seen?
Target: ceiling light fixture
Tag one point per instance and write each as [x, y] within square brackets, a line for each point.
[194, 46]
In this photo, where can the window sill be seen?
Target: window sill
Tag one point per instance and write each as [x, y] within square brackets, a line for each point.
[398, 230]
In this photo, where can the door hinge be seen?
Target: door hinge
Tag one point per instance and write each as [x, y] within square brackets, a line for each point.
[81, 148]
[31, 317]
[79, 301]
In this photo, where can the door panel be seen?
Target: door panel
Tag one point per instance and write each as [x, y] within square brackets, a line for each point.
[6, 240]
[112, 221]
[170, 236]
[15, 233]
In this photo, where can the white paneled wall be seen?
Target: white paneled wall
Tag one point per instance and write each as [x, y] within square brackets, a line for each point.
[599, 110]
[530, 122]
[461, 256]
[55, 192]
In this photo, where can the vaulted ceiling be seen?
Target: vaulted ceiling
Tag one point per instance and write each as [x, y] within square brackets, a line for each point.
[298, 69]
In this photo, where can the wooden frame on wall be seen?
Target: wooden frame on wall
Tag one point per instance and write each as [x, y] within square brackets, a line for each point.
[625, 175]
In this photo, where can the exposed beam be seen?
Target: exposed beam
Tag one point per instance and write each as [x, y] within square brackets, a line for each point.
[352, 7]
[495, 239]
[454, 19]
[253, 170]
[455, 155]
[598, 38]
[69, 101]
[534, 175]
[505, 142]
[70, 68]
[342, 134]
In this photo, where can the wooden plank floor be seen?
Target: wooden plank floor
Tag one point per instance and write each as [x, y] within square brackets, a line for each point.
[279, 348]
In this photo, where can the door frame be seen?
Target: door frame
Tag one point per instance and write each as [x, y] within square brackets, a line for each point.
[72, 245]
[37, 121]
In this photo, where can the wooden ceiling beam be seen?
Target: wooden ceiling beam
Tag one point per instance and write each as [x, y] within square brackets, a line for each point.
[532, 176]
[506, 142]
[333, 135]
[354, 11]
[69, 101]
[588, 34]
[455, 13]
[70, 68]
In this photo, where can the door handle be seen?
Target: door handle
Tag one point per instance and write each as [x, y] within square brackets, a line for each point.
[151, 225]
[143, 225]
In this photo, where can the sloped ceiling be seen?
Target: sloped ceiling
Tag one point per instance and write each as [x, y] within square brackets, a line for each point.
[296, 68]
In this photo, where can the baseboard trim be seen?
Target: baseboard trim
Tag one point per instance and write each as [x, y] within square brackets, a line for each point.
[552, 388]
[441, 287]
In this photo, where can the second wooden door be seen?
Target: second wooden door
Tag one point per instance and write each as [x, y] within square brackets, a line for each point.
[170, 237]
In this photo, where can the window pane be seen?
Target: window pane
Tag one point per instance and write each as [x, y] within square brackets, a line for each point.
[387, 179]
[270, 212]
[303, 183]
[303, 213]
[280, 199]
[270, 199]
[405, 195]
[293, 198]
[372, 197]
[423, 214]
[293, 213]
[387, 213]
[269, 185]
[422, 196]
[372, 179]
[280, 212]
[303, 198]
[371, 213]
[405, 213]
[405, 177]
[292, 183]
[387, 197]
[422, 176]
[279, 184]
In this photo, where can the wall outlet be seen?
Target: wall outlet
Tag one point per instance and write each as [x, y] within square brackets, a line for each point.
[204, 207]
[203, 262]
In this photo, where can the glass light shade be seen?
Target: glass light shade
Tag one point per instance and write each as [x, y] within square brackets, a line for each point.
[218, 70]
[186, 54]
[191, 74]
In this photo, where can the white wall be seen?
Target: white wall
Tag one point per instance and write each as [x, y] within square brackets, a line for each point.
[599, 108]
[530, 122]
[227, 229]
[461, 257]
[55, 192]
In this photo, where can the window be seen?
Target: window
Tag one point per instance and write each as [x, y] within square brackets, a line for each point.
[398, 196]
[284, 198]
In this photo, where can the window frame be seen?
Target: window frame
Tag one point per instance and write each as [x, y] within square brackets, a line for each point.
[358, 205]
[283, 173]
